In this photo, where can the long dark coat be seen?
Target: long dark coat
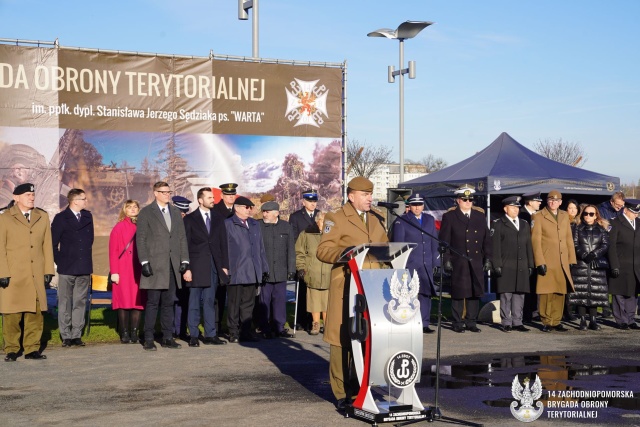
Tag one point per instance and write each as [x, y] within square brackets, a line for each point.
[161, 247]
[280, 249]
[590, 285]
[247, 256]
[205, 248]
[72, 242]
[469, 236]
[222, 210]
[624, 254]
[300, 221]
[513, 253]
[423, 257]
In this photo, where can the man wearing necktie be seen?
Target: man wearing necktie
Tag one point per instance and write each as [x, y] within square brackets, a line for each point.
[164, 255]
[72, 234]
[512, 263]
[26, 266]
[209, 266]
[464, 228]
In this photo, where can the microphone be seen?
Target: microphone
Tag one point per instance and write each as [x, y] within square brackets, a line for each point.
[386, 205]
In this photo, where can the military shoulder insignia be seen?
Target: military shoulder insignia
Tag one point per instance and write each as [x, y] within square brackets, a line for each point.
[328, 225]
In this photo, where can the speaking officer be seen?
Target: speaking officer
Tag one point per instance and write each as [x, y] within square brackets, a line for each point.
[26, 265]
[353, 224]
[300, 220]
[164, 254]
[209, 265]
[72, 236]
[624, 258]
[464, 228]
[512, 263]
[424, 257]
[553, 253]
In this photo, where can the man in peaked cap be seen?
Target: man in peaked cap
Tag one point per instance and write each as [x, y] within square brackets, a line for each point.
[351, 225]
[553, 253]
[512, 259]
[181, 203]
[181, 306]
[465, 230]
[26, 266]
[300, 220]
[531, 204]
[424, 257]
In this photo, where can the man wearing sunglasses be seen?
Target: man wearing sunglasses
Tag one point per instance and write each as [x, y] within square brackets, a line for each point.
[465, 230]
[553, 253]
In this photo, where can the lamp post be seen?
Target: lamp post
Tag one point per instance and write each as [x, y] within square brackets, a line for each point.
[243, 8]
[406, 30]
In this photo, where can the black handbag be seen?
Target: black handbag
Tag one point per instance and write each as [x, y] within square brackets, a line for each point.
[109, 282]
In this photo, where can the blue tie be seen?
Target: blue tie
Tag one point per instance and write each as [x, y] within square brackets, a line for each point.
[208, 222]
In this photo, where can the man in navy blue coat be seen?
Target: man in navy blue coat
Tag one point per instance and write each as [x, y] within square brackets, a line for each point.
[424, 257]
[209, 264]
[248, 266]
[72, 238]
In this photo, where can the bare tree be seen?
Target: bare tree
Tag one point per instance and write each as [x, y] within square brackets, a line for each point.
[433, 163]
[364, 160]
[570, 153]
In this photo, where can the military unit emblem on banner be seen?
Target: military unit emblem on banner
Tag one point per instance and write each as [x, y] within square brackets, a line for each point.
[404, 304]
[526, 396]
[307, 103]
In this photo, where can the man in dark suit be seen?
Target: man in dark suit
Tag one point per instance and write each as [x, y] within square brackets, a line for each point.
[624, 247]
[163, 253]
[531, 204]
[209, 265]
[72, 237]
[224, 208]
[300, 220]
[465, 230]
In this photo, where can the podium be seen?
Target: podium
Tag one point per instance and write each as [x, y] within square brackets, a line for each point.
[385, 327]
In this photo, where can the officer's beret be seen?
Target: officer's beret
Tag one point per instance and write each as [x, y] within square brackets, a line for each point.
[181, 203]
[633, 205]
[555, 195]
[310, 194]
[532, 196]
[24, 188]
[511, 201]
[229, 188]
[243, 201]
[266, 197]
[270, 206]
[361, 183]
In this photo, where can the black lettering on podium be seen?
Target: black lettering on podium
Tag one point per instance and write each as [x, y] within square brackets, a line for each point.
[359, 329]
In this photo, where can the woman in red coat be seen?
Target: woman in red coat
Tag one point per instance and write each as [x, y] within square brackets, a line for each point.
[127, 298]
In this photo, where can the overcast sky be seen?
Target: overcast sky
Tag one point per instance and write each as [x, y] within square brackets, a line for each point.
[534, 69]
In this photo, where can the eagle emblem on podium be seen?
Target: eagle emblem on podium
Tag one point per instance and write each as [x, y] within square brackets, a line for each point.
[404, 304]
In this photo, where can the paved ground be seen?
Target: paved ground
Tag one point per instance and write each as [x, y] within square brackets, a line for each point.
[284, 382]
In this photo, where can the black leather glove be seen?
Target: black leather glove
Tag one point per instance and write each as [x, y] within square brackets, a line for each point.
[497, 271]
[301, 273]
[291, 276]
[589, 257]
[146, 270]
[265, 277]
[47, 279]
[530, 271]
[542, 269]
[4, 282]
[487, 265]
[615, 272]
[184, 266]
[448, 267]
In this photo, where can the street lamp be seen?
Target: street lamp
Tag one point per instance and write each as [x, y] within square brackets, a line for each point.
[243, 7]
[406, 30]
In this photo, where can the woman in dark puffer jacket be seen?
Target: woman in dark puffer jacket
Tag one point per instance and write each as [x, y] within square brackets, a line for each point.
[591, 240]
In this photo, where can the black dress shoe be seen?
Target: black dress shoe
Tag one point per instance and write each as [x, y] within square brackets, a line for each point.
[521, 328]
[66, 343]
[285, 334]
[623, 326]
[634, 325]
[427, 330]
[193, 342]
[149, 346]
[474, 329]
[458, 329]
[342, 404]
[213, 341]
[505, 328]
[234, 339]
[35, 355]
[547, 328]
[560, 328]
[77, 342]
[170, 343]
[11, 357]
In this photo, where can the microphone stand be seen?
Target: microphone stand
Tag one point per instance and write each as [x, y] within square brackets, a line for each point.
[434, 412]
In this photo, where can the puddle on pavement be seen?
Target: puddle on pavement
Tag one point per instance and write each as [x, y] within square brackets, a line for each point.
[558, 373]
